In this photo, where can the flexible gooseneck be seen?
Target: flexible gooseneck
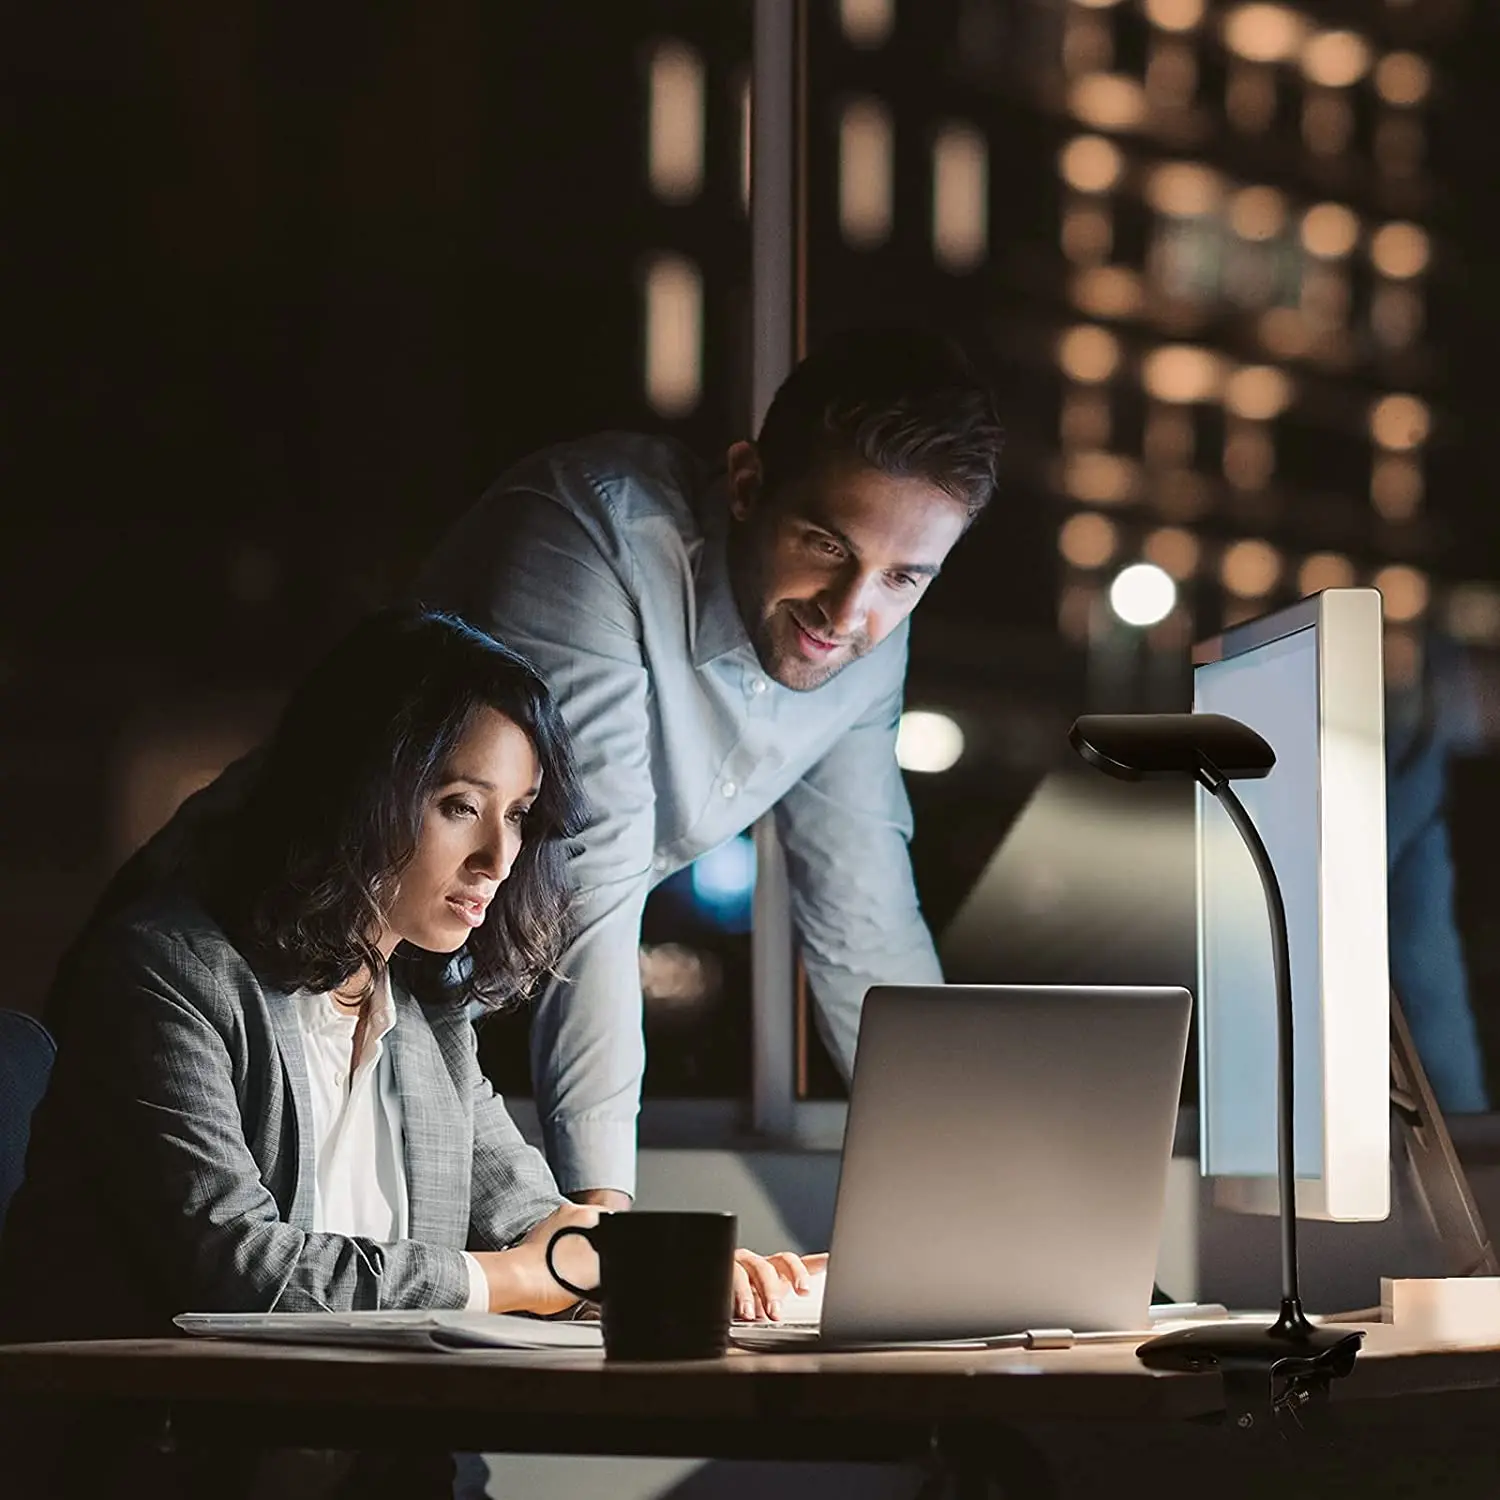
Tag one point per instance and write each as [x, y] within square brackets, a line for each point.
[1292, 1322]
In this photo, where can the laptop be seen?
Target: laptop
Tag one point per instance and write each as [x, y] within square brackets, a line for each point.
[1004, 1166]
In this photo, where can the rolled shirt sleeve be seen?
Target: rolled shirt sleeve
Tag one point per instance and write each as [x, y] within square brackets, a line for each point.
[479, 1287]
[846, 827]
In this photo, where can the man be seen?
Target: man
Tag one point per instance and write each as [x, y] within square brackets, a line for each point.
[1433, 712]
[720, 646]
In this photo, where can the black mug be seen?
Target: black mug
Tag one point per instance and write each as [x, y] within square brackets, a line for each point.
[665, 1282]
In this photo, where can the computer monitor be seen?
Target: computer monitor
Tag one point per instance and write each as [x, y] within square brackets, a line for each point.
[1309, 679]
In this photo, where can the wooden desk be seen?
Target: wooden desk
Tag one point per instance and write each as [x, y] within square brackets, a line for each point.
[863, 1407]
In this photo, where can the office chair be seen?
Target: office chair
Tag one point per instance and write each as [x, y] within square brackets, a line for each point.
[26, 1053]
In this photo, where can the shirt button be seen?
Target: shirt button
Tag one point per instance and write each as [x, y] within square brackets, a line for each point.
[729, 789]
[757, 684]
[659, 862]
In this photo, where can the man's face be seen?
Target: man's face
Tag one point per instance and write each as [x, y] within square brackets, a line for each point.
[827, 567]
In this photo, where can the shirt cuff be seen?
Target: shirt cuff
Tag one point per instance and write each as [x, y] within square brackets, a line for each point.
[479, 1286]
[591, 1152]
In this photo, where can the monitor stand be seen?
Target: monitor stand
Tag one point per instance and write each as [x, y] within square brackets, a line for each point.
[1442, 1187]
[1436, 1172]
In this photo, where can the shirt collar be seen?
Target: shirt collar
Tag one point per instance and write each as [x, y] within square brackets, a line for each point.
[319, 1014]
[718, 628]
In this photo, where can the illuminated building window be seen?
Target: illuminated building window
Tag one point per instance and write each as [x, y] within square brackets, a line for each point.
[1258, 392]
[1400, 423]
[1324, 570]
[865, 151]
[1249, 455]
[1250, 97]
[867, 23]
[1167, 441]
[1184, 190]
[1284, 332]
[1250, 569]
[1076, 607]
[1399, 145]
[1325, 299]
[1257, 266]
[1258, 213]
[1173, 550]
[1108, 292]
[1327, 123]
[1329, 231]
[1182, 373]
[1179, 494]
[1099, 478]
[1405, 591]
[1088, 354]
[674, 335]
[1396, 316]
[675, 134]
[1171, 75]
[1395, 486]
[1402, 79]
[1175, 15]
[1091, 164]
[1474, 613]
[960, 198]
[1087, 540]
[1403, 657]
[1084, 420]
[1263, 33]
[1087, 43]
[1186, 258]
[1108, 101]
[1400, 251]
[1335, 59]
[1087, 232]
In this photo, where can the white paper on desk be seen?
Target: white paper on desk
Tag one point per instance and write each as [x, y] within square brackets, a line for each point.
[397, 1329]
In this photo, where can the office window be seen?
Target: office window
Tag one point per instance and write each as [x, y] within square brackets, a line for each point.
[675, 124]
[865, 169]
[960, 198]
[674, 335]
[867, 24]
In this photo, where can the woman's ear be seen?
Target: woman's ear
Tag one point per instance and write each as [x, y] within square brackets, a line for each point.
[744, 479]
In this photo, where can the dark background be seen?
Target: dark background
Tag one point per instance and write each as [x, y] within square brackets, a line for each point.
[289, 285]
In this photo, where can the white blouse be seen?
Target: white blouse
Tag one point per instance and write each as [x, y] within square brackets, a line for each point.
[359, 1150]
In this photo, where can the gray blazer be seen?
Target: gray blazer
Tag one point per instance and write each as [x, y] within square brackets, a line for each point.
[171, 1164]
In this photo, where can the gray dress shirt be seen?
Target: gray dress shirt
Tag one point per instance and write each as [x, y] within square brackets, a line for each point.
[604, 561]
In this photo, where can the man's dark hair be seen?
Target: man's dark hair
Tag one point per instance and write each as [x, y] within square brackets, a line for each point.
[902, 400]
[305, 870]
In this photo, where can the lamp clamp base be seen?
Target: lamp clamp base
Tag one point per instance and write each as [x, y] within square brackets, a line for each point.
[1270, 1374]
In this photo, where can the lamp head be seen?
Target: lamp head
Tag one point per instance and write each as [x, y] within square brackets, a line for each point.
[1207, 747]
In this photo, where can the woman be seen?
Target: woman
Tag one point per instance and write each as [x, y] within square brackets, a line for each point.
[266, 1093]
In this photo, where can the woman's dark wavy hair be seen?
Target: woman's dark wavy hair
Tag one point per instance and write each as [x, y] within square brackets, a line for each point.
[308, 865]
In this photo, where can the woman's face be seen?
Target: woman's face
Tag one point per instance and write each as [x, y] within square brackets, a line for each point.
[472, 828]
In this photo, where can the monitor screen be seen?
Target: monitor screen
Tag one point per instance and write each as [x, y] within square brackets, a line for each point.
[1274, 690]
[1309, 680]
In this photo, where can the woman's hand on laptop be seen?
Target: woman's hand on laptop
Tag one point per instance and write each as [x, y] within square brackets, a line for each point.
[763, 1282]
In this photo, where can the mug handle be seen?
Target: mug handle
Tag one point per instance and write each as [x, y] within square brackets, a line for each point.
[557, 1275]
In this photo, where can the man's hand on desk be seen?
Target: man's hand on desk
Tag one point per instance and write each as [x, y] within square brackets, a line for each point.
[763, 1282]
[612, 1200]
[518, 1278]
